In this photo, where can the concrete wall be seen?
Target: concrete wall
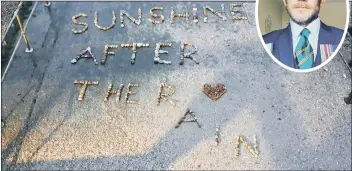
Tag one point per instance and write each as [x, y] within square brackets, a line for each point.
[335, 17]
[333, 13]
[272, 9]
[285, 17]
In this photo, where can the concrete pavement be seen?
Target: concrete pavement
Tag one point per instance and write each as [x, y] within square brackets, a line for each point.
[300, 120]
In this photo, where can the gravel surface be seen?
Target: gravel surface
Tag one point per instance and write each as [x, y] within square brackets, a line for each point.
[7, 10]
[300, 120]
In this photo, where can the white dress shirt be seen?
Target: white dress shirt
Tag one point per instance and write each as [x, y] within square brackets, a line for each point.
[313, 37]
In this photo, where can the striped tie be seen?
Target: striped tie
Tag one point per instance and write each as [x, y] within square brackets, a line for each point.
[304, 53]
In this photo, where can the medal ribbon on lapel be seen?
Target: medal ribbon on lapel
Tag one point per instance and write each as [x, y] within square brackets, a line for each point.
[326, 50]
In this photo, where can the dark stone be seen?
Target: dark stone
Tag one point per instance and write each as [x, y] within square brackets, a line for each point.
[348, 100]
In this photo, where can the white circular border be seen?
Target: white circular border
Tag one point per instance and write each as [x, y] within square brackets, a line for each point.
[306, 70]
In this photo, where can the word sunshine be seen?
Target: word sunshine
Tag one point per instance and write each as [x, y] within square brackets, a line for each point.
[236, 11]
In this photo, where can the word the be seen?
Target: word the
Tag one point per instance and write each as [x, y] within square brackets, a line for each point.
[118, 92]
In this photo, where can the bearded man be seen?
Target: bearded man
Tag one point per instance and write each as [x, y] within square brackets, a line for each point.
[306, 42]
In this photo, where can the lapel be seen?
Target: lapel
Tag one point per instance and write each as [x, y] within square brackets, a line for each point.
[325, 37]
[283, 48]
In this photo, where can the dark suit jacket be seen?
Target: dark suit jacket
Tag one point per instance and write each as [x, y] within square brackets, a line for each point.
[282, 43]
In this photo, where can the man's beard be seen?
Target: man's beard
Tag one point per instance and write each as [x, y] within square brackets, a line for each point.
[314, 16]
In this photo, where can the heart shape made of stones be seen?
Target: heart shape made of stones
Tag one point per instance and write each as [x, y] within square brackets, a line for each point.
[214, 92]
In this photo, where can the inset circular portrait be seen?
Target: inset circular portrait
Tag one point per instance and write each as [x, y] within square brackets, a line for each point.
[302, 35]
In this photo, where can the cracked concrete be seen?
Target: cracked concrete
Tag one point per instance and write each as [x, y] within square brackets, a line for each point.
[300, 120]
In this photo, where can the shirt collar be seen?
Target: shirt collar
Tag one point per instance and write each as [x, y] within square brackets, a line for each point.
[313, 27]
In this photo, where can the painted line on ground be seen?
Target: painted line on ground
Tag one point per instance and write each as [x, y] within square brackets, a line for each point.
[18, 42]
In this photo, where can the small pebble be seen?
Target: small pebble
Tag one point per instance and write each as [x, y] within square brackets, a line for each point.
[325, 69]
[344, 75]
